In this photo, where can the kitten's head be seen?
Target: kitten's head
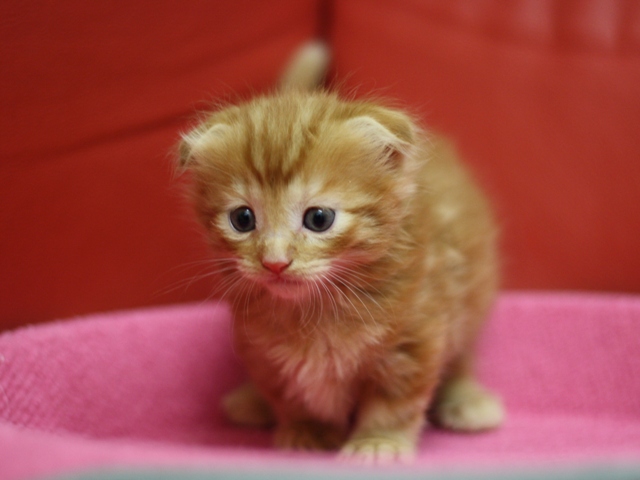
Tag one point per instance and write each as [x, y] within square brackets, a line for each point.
[301, 190]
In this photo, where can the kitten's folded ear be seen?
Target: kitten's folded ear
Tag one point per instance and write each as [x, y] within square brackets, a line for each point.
[389, 134]
[184, 152]
[200, 143]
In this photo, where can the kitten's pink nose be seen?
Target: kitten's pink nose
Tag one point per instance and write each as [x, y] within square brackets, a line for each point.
[275, 267]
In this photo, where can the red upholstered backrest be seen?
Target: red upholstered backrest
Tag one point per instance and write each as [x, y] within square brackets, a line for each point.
[93, 96]
[543, 99]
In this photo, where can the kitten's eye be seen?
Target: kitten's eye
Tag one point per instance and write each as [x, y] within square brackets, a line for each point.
[243, 219]
[319, 219]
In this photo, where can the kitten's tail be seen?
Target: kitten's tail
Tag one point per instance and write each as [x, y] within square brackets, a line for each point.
[307, 68]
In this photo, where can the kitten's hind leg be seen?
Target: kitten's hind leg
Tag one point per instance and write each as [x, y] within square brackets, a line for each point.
[246, 407]
[462, 403]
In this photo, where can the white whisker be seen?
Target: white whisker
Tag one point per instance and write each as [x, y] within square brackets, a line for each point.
[346, 297]
[355, 290]
[333, 301]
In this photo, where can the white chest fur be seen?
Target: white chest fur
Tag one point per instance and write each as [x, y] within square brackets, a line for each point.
[319, 373]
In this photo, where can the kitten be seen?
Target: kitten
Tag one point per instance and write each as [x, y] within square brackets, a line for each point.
[360, 261]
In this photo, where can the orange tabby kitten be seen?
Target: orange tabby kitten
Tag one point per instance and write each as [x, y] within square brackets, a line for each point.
[360, 260]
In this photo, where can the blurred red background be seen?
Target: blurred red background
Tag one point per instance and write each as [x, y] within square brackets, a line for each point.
[542, 97]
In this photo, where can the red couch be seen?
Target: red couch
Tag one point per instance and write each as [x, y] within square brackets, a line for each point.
[543, 98]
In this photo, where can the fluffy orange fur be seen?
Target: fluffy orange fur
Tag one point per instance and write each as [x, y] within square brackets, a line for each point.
[352, 333]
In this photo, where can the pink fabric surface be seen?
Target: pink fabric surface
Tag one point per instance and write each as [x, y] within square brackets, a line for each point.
[141, 388]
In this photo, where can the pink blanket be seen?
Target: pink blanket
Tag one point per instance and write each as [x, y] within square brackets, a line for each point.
[141, 389]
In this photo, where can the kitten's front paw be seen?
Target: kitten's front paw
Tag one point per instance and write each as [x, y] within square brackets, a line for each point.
[246, 407]
[309, 436]
[467, 406]
[378, 450]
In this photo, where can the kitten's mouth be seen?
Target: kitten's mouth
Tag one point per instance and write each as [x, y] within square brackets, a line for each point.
[280, 280]
[284, 286]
